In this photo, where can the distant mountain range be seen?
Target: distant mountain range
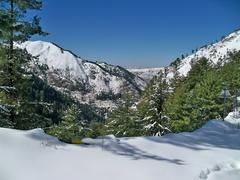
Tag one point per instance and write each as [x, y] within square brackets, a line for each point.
[146, 73]
[103, 84]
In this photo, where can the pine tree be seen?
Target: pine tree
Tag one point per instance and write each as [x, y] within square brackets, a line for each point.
[15, 28]
[175, 80]
[123, 120]
[151, 108]
[182, 57]
[195, 99]
[72, 126]
[176, 63]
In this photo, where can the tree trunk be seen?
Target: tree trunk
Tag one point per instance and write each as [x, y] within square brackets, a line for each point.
[11, 61]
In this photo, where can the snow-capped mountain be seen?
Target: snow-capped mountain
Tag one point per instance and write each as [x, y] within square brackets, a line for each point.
[101, 83]
[87, 81]
[146, 73]
[216, 52]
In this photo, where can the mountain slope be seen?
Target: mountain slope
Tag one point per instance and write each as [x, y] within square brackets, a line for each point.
[87, 81]
[216, 52]
[146, 73]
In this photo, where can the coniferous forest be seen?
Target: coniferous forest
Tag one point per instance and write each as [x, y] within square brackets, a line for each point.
[166, 105]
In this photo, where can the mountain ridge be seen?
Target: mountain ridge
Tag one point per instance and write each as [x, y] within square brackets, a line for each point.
[215, 52]
[102, 84]
[93, 78]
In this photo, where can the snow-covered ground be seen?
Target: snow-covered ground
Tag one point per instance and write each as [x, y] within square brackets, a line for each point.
[211, 152]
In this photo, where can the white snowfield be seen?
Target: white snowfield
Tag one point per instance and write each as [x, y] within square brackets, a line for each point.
[211, 152]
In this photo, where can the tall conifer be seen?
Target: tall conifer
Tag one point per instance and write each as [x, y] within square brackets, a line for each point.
[15, 28]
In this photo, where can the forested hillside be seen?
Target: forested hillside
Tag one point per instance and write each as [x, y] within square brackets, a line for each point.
[184, 103]
[26, 98]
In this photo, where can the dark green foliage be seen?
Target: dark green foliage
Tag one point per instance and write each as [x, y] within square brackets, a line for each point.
[123, 121]
[176, 63]
[43, 104]
[15, 27]
[26, 101]
[72, 125]
[197, 98]
[182, 57]
[108, 96]
[151, 111]
[13, 76]
[96, 129]
[14, 65]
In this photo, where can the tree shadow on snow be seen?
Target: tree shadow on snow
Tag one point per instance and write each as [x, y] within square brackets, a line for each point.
[125, 149]
[215, 134]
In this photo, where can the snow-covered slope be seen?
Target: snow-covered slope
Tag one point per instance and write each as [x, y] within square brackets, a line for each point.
[85, 80]
[211, 152]
[146, 73]
[215, 52]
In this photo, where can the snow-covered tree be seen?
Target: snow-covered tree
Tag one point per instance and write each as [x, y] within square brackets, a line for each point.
[151, 107]
[123, 121]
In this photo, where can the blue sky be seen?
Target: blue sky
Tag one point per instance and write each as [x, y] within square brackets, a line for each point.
[137, 33]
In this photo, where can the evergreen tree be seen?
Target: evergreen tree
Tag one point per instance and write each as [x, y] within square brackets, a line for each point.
[182, 56]
[123, 120]
[175, 64]
[196, 98]
[175, 80]
[15, 28]
[72, 126]
[151, 109]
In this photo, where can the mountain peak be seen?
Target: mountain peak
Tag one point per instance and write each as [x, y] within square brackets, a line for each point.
[86, 81]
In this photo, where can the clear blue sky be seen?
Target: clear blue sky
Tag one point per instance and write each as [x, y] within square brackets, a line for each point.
[137, 33]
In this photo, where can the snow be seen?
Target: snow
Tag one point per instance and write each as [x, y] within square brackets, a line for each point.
[146, 73]
[100, 77]
[214, 52]
[97, 77]
[55, 57]
[211, 152]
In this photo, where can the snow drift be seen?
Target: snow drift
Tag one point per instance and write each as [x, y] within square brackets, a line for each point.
[211, 152]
